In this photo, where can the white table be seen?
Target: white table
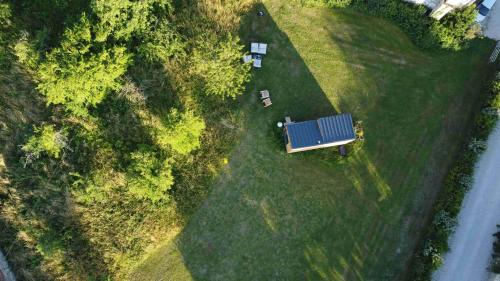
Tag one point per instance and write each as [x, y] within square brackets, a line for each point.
[258, 48]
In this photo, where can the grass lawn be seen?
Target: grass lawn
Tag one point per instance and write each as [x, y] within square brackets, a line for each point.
[273, 216]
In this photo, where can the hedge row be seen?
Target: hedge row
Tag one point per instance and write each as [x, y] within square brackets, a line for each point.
[430, 254]
[452, 32]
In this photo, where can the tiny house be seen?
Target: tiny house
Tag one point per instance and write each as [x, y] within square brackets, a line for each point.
[324, 132]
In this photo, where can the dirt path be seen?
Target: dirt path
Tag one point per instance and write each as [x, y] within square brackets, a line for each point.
[5, 273]
[492, 29]
[471, 244]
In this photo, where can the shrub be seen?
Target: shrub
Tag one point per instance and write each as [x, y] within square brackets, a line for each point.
[81, 82]
[149, 175]
[452, 31]
[444, 221]
[161, 43]
[46, 139]
[122, 19]
[26, 52]
[477, 146]
[180, 132]
[77, 78]
[217, 62]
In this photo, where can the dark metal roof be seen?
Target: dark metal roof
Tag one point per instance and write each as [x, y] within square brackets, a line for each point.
[336, 128]
[304, 134]
[322, 131]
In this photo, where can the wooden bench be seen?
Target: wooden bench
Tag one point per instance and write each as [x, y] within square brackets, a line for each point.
[267, 102]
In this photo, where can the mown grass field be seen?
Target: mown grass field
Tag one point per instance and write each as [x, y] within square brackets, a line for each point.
[313, 216]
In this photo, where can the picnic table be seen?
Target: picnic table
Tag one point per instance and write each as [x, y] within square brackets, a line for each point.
[267, 102]
[265, 98]
[258, 48]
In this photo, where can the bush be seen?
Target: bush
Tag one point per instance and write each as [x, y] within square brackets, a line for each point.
[26, 52]
[217, 62]
[78, 78]
[161, 43]
[46, 139]
[122, 19]
[149, 175]
[452, 31]
[180, 131]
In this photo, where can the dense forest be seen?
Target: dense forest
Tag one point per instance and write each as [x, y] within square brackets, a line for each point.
[105, 106]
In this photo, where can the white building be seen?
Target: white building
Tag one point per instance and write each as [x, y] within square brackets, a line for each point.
[441, 7]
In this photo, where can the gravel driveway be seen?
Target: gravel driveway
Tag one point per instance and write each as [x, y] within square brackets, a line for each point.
[492, 28]
[471, 244]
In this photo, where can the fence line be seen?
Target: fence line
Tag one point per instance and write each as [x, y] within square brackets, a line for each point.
[495, 53]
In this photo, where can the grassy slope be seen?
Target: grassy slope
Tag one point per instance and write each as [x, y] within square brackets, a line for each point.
[311, 216]
[20, 108]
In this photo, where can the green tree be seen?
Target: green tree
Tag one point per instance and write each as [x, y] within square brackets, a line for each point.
[26, 53]
[217, 62]
[180, 131]
[75, 77]
[46, 139]
[121, 19]
[149, 175]
[161, 43]
[453, 30]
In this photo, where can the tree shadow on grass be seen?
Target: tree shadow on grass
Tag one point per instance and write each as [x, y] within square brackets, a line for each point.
[254, 223]
[294, 89]
[277, 216]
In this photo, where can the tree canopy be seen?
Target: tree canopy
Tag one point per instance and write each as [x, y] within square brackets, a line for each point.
[180, 131]
[217, 62]
[75, 76]
[149, 175]
[46, 139]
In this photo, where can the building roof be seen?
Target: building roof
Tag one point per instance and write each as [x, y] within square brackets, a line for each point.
[325, 130]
